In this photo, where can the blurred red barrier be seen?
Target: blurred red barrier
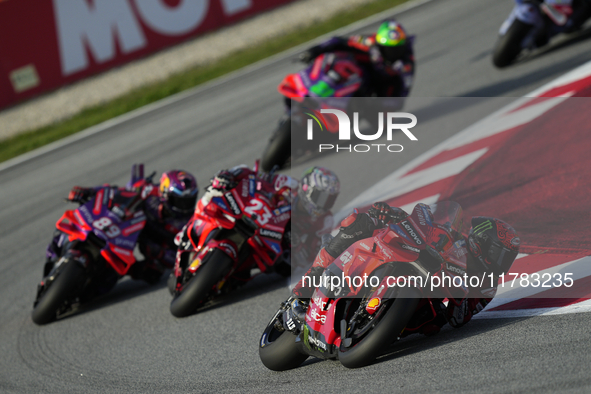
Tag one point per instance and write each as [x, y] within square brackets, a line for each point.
[48, 43]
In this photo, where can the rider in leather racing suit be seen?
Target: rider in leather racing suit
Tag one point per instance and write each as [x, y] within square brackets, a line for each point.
[387, 55]
[492, 244]
[167, 205]
[315, 195]
[311, 200]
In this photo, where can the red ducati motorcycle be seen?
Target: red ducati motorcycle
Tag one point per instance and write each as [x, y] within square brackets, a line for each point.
[375, 292]
[230, 234]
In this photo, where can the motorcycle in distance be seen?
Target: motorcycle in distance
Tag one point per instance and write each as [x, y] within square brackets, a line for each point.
[229, 235]
[530, 25]
[332, 74]
[353, 320]
[102, 234]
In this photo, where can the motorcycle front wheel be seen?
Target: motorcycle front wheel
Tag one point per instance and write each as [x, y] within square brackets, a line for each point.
[278, 350]
[68, 277]
[194, 292]
[509, 45]
[367, 348]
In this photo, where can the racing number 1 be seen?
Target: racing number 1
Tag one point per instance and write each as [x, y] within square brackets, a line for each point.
[257, 208]
[103, 222]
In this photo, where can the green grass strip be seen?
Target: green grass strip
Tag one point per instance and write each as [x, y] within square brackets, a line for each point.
[27, 141]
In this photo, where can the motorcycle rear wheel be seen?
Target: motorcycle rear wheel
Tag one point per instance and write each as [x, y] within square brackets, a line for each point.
[278, 350]
[278, 150]
[389, 326]
[509, 45]
[69, 277]
[214, 268]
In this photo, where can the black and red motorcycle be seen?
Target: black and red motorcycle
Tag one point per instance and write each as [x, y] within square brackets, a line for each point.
[387, 296]
[231, 234]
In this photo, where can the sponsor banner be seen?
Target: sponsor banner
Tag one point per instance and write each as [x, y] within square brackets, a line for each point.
[48, 43]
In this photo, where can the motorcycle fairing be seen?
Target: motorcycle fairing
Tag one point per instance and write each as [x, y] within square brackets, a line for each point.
[557, 10]
[254, 208]
[293, 87]
[118, 230]
[320, 333]
[332, 74]
[527, 12]
[220, 203]
[386, 250]
[363, 257]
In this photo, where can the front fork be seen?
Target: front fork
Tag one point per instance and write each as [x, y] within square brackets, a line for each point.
[189, 260]
[52, 269]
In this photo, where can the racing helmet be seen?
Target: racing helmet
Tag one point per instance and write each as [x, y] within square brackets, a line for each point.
[391, 41]
[493, 243]
[318, 190]
[178, 192]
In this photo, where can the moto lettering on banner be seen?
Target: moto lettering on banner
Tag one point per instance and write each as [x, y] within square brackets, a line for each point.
[68, 40]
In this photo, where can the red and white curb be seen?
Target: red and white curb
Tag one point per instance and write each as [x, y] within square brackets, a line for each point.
[426, 177]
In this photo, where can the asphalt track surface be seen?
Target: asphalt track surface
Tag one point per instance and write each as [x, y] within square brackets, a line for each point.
[127, 341]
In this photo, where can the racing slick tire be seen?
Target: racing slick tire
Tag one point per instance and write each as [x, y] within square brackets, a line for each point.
[509, 45]
[278, 350]
[389, 326]
[69, 277]
[194, 292]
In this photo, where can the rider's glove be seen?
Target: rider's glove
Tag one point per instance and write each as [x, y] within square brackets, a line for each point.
[384, 213]
[305, 57]
[309, 55]
[224, 180]
[80, 194]
[380, 211]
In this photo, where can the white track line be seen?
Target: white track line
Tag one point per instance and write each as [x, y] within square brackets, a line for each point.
[581, 307]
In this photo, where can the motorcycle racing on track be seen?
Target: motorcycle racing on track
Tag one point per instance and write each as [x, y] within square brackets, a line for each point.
[389, 285]
[93, 246]
[240, 228]
[532, 23]
[365, 68]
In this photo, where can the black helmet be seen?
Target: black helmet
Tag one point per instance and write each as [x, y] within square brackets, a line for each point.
[178, 192]
[493, 243]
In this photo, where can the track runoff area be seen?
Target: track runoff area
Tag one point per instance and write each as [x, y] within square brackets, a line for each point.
[529, 164]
